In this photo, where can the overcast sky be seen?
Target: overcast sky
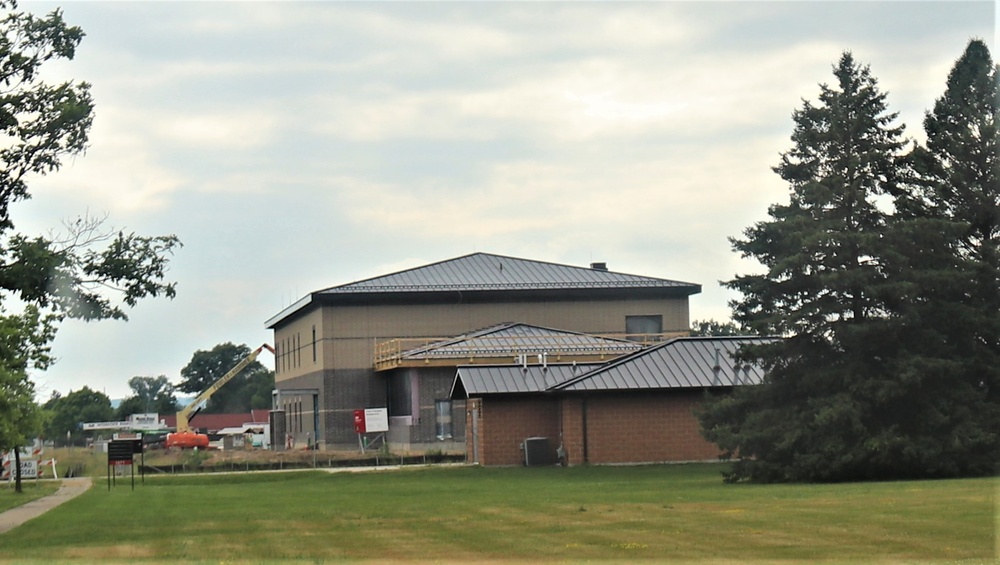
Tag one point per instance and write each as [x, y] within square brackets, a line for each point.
[298, 146]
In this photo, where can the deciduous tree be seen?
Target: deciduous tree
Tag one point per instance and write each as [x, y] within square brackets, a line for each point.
[66, 413]
[89, 271]
[149, 394]
[250, 389]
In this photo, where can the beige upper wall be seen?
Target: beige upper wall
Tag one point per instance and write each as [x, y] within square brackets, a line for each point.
[294, 346]
[346, 334]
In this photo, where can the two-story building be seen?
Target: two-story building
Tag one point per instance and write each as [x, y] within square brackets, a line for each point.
[379, 342]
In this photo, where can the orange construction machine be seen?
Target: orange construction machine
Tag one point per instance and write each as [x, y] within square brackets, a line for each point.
[184, 437]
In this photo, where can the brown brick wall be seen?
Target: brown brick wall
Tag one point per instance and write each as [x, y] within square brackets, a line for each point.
[504, 425]
[651, 427]
[621, 428]
[572, 429]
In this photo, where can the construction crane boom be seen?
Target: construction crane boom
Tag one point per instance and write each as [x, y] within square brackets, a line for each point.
[184, 435]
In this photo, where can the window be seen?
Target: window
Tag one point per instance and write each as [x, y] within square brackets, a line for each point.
[400, 395]
[638, 328]
[442, 419]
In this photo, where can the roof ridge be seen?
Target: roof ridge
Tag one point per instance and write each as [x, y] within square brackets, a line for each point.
[384, 275]
[615, 363]
[611, 278]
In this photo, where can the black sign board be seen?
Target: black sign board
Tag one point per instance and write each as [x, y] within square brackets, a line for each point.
[121, 451]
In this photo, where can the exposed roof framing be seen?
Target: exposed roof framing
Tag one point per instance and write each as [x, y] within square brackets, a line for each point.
[502, 344]
[688, 362]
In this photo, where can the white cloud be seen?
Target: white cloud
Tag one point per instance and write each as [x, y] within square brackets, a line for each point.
[295, 146]
[216, 131]
[119, 173]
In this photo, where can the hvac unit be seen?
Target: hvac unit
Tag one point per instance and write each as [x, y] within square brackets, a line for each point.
[538, 452]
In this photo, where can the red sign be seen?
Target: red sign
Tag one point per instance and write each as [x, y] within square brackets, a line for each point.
[359, 421]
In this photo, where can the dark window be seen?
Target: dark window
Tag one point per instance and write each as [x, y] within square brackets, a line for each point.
[400, 395]
[639, 326]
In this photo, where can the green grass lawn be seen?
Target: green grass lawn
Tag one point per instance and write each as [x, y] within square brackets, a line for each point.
[463, 514]
[31, 489]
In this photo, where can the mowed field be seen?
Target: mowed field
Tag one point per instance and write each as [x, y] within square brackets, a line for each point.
[469, 514]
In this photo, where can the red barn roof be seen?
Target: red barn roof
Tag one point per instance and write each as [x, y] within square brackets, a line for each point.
[215, 422]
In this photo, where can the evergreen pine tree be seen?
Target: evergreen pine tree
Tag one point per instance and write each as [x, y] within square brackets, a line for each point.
[954, 307]
[891, 313]
[825, 290]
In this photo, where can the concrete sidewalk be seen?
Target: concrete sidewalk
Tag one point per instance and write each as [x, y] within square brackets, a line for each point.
[70, 488]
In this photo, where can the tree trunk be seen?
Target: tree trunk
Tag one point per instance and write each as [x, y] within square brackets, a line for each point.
[17, 470]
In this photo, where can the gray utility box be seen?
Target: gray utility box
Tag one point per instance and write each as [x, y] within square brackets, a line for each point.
[537, 451]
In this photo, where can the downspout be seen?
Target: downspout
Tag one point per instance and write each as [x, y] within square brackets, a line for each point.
[586, 455]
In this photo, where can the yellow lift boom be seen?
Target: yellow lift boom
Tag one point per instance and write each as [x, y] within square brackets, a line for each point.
[184, 436]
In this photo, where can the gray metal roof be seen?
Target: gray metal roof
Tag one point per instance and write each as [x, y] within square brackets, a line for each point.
[476, 380]
[514, 339]
[688, 362]
[488, 276]
[484, 271]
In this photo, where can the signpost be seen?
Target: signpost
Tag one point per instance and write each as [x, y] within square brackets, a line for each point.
[121, 453]
[370, 420]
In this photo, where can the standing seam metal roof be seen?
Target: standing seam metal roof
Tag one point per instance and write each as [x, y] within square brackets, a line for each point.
[680, 363]
[687, 362]
[484, 271]
[475, 380]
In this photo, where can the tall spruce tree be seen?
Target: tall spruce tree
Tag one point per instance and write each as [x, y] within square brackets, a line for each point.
[954, 307]
[825, 290]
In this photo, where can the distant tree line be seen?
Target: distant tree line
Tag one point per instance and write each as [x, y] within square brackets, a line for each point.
[251, 389]
[882, 276]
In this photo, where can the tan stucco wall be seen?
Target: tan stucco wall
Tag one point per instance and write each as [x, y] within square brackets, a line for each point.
[346, 335]
[294, 347]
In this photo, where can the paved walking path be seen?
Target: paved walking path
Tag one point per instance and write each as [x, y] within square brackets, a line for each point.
[70, 488]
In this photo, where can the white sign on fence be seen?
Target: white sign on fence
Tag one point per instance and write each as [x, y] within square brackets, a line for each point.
[376, 419]
[29, 469]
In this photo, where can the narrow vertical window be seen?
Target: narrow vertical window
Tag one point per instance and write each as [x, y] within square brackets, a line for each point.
[442, 419]
[314, 344]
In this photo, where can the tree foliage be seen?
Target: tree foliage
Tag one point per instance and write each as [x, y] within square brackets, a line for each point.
[66, 413]
[715, 328]
[149, 395]
[23, 346]
[248, 390]
[89, 271]
[958, 186]
[867, 278]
